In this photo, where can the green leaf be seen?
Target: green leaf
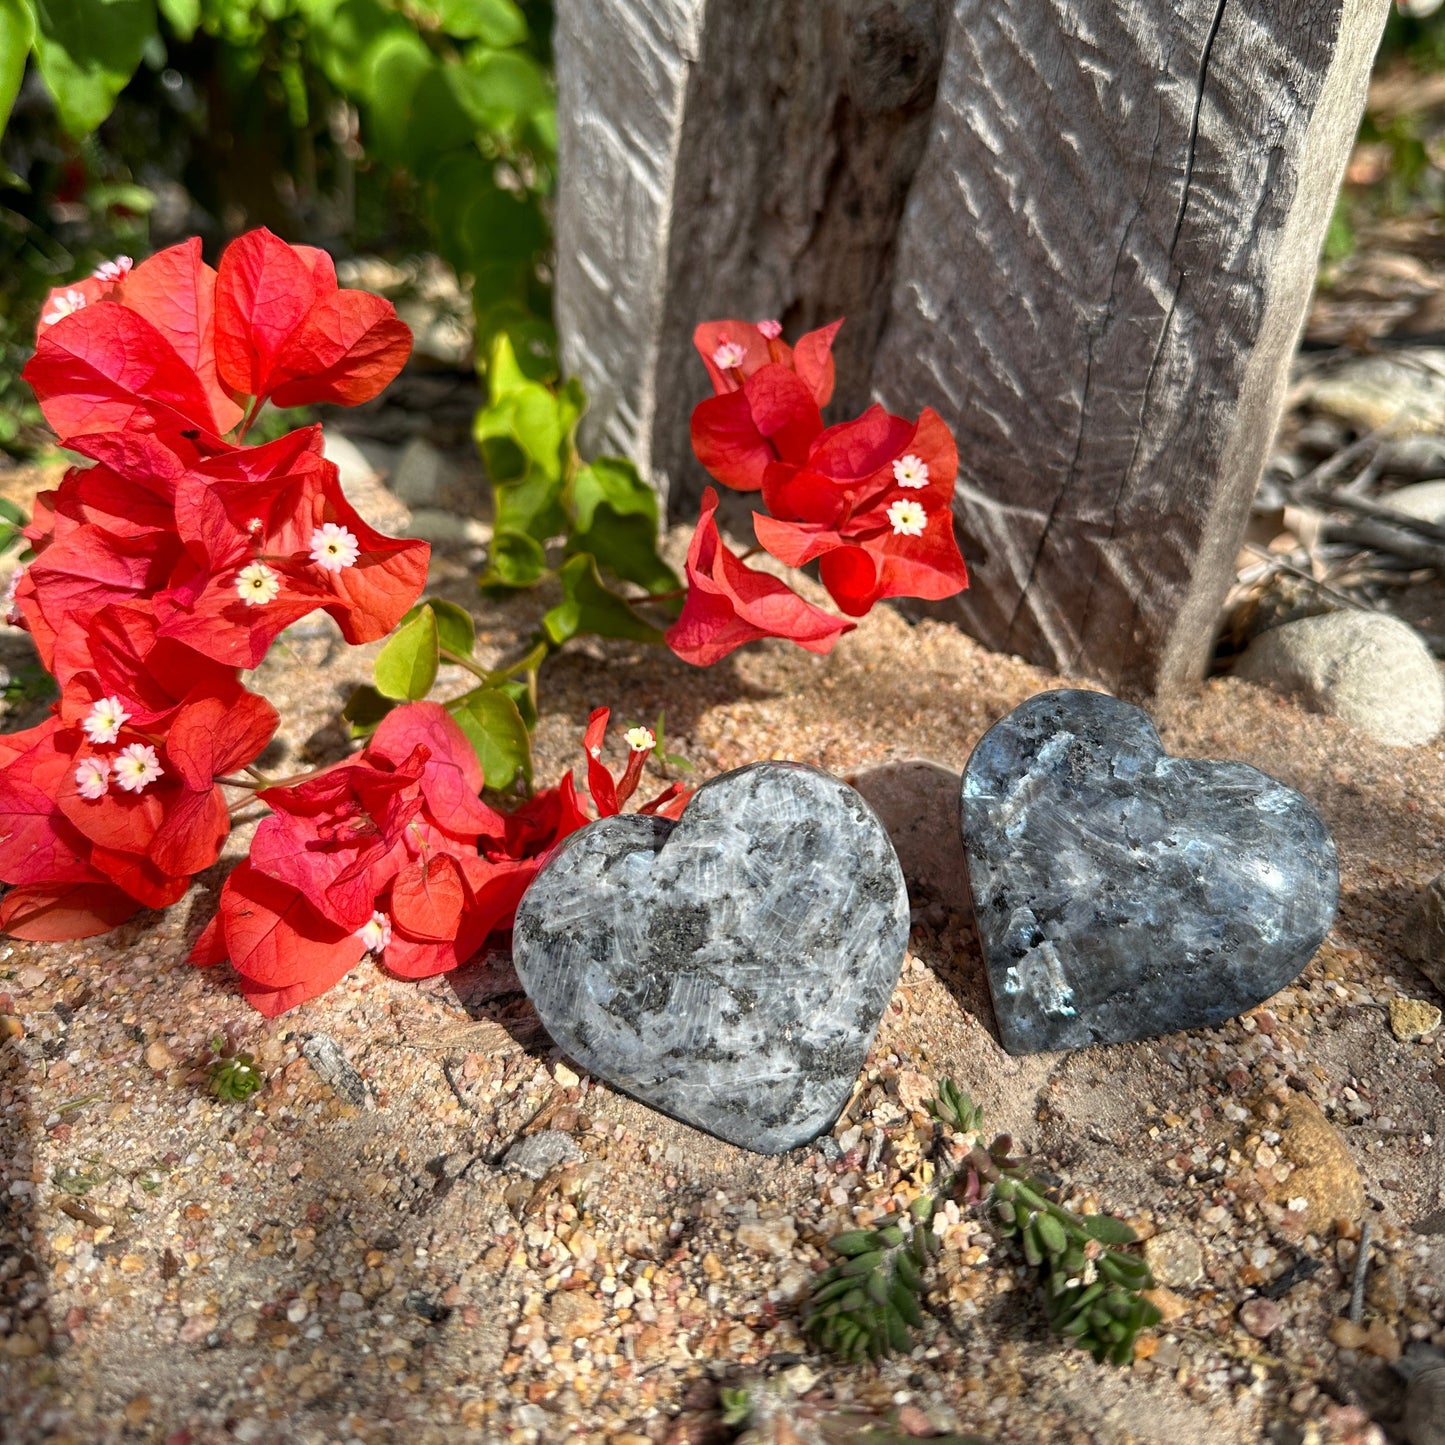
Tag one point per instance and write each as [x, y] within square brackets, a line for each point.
[1106, 1229]
[455, 629]
[495, 728]
[8, 510]
[615, 518]
[520, 692]
[498, 22]
[532, 507]
[364, 710]
[590, 606]
[407, 666]
[515, 560]
[87, 51]
[17, 32]
[501, 90]
[183, 16]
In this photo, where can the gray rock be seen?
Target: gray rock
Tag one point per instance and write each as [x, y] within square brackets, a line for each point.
[1402, 390]
[332, 1067]
[1420, 457]
[1121, 893]
[421, 474]
[729, 969]
[1369, 670]
[1423, 1369]
[537, 1155]
[1424, 500]
[356, 468]
[1425, 933]
[448, 529]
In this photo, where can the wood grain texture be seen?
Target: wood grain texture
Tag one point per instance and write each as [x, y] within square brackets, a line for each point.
[1104, 264]
[1084, 231]
[742, 158]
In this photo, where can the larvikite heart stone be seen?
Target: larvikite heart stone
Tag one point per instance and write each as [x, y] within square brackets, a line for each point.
[1122, 893]
[730, 968]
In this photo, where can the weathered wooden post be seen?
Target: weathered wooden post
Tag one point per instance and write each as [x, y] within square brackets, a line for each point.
[1086, 231]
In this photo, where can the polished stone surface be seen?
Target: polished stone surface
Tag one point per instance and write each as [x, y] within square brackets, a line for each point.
[1122, 893]
[729, 969]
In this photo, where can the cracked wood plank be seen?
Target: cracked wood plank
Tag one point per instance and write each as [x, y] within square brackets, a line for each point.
[1104, 265]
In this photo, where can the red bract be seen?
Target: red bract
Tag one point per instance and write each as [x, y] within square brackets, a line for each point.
[732, 351]
[284, 330]
[737, 435]
[90, 798]
[875, 503]
[379, 853]
[270, 544]
[393, 852]
[728, 603]
[177, 559]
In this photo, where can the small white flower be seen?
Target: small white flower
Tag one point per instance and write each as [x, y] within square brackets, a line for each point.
[728, 355]
[257, 584]
[375, 934]
[104, 721]
[137, 767]
[116, 270]
[640, 740]
[908, 519]
[910, 471]
[92, 778]
[254, 525]
[67, 303]
[333, 547]
[12, 611]
[771, 329]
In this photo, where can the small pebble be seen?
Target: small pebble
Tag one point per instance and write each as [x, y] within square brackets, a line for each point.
[1412, 1019]
[1261, 1317]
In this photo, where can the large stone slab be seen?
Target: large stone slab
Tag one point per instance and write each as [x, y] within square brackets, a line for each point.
[1122, 893]
[729, 969]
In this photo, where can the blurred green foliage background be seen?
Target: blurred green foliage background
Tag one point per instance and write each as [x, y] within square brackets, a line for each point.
[389, 126]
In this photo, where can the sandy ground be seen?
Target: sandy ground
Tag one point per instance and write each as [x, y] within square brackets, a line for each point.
[303, 1268]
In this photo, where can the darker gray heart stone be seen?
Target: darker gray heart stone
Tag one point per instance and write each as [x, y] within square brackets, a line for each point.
[729, 968]
[1122, 893]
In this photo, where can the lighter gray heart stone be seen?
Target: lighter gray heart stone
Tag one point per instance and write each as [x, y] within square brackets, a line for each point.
[730, 968]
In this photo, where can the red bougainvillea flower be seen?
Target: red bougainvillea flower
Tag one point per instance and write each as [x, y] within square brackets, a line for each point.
[377, 854]
[133, 351]
[271, 538]
[728, 603]
[284, 329]
[738, 434]
[393, 853]
[91, 798]
[732, 351]
[874, 502]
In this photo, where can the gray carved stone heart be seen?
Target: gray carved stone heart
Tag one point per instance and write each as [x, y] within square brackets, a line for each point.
[730, 968]
[1122, 893]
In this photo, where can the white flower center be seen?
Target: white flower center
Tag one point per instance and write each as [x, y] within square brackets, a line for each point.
[104, 721]
[333, 547]
[136, 767]
[64, 305]
[116, 270]
[907, 518]
[375, 933]
[640, 740]
[771, 329]
[910, 471]
[728, 355]
[257, 584]
[92, 778]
